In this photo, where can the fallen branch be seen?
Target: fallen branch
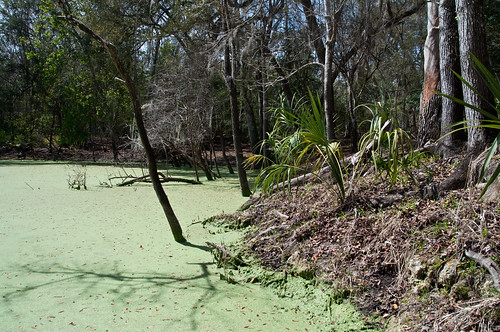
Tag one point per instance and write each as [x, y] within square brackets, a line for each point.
[147, 179]
[488, 264]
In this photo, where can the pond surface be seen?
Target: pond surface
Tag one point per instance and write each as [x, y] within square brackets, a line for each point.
[104, 259]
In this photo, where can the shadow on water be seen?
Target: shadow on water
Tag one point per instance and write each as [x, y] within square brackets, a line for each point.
[122, 285]
[196, 246]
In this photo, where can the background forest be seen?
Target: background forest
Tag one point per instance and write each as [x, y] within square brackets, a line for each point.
[197, 63]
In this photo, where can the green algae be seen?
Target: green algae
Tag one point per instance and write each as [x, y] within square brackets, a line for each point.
[104, 259]
[326, 306]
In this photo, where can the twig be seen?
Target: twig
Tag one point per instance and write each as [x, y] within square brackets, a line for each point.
[225, 256]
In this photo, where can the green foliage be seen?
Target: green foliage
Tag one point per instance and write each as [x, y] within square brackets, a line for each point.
[491, 121]
[388, 146]
[300, 145]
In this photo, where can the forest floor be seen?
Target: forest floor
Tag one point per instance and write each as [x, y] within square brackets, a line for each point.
[100, 154]
[397, 256]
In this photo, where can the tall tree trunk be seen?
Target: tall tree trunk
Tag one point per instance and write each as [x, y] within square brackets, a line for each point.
[314, 31]
[264, 115]
[134, 96]
[328, 95]
[449, 56]
[430, 103]
[235, 120]
[253, 132]
[472, 34]
[229, 77]
[352, 124]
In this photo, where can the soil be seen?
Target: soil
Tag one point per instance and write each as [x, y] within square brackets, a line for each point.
[101, 153]
[386, 248]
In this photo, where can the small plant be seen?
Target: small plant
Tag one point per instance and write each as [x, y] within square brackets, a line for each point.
[389, 147]
[78, 178]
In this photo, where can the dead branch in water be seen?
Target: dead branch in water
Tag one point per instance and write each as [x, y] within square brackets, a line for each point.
[147, 179]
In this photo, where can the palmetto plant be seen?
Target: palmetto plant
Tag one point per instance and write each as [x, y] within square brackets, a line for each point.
[299, 145]
[388, 147]
[491, 120]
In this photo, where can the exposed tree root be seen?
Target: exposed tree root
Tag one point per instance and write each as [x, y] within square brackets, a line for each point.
[471, 314]
[488, 264]
[225, 257]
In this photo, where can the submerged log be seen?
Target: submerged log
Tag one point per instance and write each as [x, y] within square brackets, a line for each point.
[147, 179]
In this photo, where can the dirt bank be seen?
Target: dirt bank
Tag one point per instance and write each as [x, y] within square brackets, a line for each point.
[398, 256]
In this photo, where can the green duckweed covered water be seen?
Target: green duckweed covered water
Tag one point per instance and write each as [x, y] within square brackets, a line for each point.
[103, 259]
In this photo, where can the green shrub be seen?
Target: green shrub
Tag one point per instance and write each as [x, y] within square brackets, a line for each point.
[299, 145]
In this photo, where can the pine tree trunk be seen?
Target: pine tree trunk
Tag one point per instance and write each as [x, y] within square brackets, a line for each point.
[430, 112]
[472, 34]
[449, 55]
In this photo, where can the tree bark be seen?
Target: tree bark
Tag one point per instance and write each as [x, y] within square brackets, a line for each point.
[472, 34]
[134, 96]
[353, 123]
[430, 111]
[253, 132]
[314, 31]
[449, 56]
[235, 121]
[331, 17]
[229, 76]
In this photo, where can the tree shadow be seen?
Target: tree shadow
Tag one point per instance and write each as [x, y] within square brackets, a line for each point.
[196, 246]
[122, 285]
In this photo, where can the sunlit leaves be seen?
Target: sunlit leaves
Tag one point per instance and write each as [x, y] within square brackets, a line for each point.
[299, 145]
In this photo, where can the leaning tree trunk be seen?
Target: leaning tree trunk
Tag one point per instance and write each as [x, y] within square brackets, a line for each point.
[430, 103]
[472, 35]
[449, 55]
[134, 96]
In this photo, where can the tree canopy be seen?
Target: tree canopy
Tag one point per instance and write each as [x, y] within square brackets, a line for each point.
[60, 88]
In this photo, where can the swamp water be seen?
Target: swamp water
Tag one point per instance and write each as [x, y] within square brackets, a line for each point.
[104, 259]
